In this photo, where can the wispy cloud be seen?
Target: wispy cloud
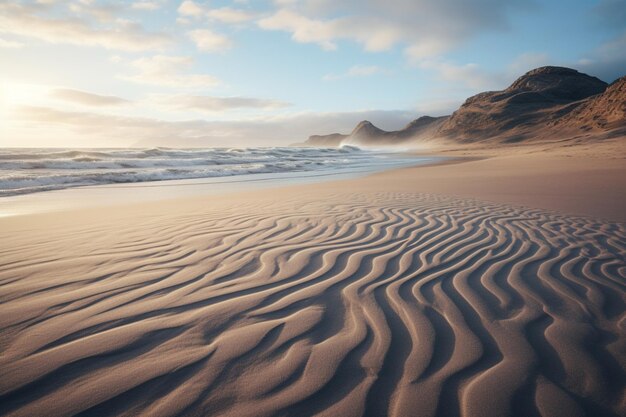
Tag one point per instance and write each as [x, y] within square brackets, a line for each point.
[87, 99]
[103, 12]
[475, 78]
[10, 44]
[107, 129]
[357, 71]
[208, 41]
[211, 104]
[193, 10]
[608, 61]
[25, 21]
[470, 75]
[165, 70]
[230, 15]
[304, 29]
[423, 28]
[526, 62]
[146, 5]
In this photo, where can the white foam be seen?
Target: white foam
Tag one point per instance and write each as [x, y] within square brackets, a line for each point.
[25, 171]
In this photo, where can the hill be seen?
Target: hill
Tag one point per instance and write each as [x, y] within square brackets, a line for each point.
[547, 102]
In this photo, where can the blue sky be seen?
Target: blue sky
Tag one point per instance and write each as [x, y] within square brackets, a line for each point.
[253, 72]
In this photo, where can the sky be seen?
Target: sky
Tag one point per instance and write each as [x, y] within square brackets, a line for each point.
[90, 73]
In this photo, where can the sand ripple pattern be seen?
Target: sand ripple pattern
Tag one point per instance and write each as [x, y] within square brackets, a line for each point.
[389, 304]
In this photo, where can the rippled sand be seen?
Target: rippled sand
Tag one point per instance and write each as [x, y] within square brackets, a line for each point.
[404, 304]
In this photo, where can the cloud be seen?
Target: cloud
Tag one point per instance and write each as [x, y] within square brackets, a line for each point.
[438, 106]
[526, 62]
[190, 9]
[218, 104]
[136, 131]
[303, 29]
[230, 15]
[165, 70]
[423, 28]
[362, 70]
[23, 20]
[10, 44]
[470, 75]
[104, 12]
[373, 33]
[87, 99]
[73, 128]
[357, 71]
[608, 61]
[477, 78]
[208, 41]
[146, 5]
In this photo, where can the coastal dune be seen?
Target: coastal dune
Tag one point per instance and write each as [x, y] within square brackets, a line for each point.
[338, 303]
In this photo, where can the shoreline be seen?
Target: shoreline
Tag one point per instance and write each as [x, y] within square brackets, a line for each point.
[122, 194]
[570, 185]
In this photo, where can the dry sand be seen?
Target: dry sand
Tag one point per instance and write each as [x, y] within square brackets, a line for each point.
[492, 287]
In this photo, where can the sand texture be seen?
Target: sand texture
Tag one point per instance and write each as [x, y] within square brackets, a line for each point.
[313, 302]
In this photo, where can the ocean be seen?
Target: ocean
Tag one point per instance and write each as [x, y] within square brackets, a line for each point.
[27, 170]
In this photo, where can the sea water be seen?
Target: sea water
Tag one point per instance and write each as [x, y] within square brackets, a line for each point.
[26, 170]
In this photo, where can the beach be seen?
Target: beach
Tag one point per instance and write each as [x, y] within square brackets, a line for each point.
[300, 208]
[488, 284]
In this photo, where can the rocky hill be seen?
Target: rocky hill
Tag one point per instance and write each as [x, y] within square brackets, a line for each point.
[529, 104]
[603, 112]
[365, 133]
[544, 102]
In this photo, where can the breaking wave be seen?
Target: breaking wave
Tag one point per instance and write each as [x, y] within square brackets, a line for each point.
[26, 171]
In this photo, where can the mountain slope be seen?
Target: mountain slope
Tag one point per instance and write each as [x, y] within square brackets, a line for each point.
[606, 111]
[365, 133]
[547, 102]
[530, 103]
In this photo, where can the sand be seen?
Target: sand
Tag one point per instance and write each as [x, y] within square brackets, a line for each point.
[493, 286]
